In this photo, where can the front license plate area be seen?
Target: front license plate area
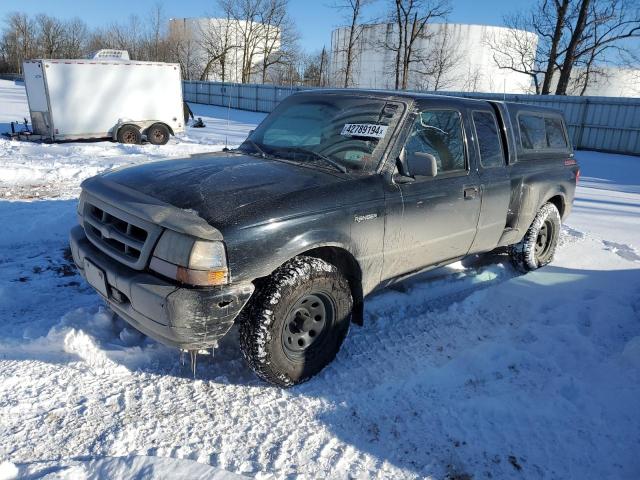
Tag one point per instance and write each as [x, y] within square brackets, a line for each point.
[96, 278]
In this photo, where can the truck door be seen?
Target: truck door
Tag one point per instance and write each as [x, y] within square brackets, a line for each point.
[494, 178]
[433, 219]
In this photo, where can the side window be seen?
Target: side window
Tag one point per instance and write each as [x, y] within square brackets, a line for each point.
[489, 140]
[555, 133]
[533, 135]
[438, 132]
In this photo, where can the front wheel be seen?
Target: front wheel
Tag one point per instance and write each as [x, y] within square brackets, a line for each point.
[297, 322]
[539, 244]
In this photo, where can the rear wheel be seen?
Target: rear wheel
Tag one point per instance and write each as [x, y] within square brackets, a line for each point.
[129, 134]
[158, 134]
[297, 321]
[539, 244]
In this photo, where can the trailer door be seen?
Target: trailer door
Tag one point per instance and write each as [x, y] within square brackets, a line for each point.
[37, 97]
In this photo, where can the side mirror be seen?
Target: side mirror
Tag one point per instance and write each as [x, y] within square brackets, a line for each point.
[422, 164]
[402, 176]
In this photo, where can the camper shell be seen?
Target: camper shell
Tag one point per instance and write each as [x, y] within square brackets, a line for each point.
[97, 98]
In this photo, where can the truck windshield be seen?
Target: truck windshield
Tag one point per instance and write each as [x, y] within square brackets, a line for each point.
[336, 131]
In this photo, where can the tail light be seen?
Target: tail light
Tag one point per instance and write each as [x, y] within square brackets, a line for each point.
[577, 176]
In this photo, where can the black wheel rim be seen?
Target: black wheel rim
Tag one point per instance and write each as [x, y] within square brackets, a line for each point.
[544, 240]
[306, 326]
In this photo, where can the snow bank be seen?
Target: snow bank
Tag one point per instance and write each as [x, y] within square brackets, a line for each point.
[8, 471]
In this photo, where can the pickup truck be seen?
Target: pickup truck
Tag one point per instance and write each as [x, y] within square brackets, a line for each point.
[335, 194]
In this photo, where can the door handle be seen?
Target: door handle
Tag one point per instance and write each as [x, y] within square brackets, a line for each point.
[470, 192]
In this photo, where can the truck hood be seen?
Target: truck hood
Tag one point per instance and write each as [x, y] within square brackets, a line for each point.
[215, 186]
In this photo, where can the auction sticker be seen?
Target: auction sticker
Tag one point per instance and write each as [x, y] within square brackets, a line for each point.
[364, 130]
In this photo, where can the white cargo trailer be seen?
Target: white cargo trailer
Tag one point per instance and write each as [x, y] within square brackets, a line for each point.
[121, 99]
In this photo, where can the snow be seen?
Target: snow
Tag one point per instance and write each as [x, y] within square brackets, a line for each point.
[136, 466]
[470, 369]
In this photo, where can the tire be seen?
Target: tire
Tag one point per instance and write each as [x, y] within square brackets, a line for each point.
[296, 322]
[129, 134]
[158, 134]
[539, 244]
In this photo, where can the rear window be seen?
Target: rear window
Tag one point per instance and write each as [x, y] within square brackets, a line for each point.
[555, 133]
[538, 132]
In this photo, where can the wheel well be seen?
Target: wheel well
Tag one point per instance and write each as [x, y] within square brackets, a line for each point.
[349, 267]
[120, 127]
[558, 201]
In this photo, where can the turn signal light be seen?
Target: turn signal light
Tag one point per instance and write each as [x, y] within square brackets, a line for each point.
[213, 277]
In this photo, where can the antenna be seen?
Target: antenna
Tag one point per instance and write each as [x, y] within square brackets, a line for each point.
[226, 132]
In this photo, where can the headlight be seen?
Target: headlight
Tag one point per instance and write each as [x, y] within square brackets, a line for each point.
[190, 260]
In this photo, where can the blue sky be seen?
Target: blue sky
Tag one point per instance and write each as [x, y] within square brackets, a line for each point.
[314, 18]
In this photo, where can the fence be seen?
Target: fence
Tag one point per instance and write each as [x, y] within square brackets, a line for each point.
[595, 123]
[245, 96]
[11, 76]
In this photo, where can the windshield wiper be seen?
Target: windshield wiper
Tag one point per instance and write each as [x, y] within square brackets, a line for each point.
[257, 148]
[335, 164]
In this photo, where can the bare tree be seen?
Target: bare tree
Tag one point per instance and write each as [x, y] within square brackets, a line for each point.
[472, 79]
[156, 37]
[246, 15]
[279, 35]
[572, 33]
[436, 65]
[19, 40]
[570, 54]
[549, 22]
[516, 49]
[604, 28]
[50, 36]
[411, 18]
[76, 38]
[217, 42]
[353, 10]
[315, 68]
[185, 50]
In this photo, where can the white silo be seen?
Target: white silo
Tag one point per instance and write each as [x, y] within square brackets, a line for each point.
[451, 57]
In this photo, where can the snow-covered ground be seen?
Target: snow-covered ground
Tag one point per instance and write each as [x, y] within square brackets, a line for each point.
[472, 369]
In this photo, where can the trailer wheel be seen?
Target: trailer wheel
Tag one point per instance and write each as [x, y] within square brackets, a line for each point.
[158, 134]
[129, 134]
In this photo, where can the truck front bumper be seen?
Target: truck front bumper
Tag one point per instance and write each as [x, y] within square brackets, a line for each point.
[187, 318]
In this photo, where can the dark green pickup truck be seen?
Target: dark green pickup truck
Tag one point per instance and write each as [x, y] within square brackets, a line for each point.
[336, 193]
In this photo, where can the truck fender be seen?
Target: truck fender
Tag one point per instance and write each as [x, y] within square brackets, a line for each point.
[338, 251]
[532, 200]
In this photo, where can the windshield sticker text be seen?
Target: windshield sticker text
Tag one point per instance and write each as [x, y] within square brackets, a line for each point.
[364, 130]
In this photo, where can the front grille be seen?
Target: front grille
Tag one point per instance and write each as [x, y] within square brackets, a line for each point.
[124, 237]
[118, 234]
